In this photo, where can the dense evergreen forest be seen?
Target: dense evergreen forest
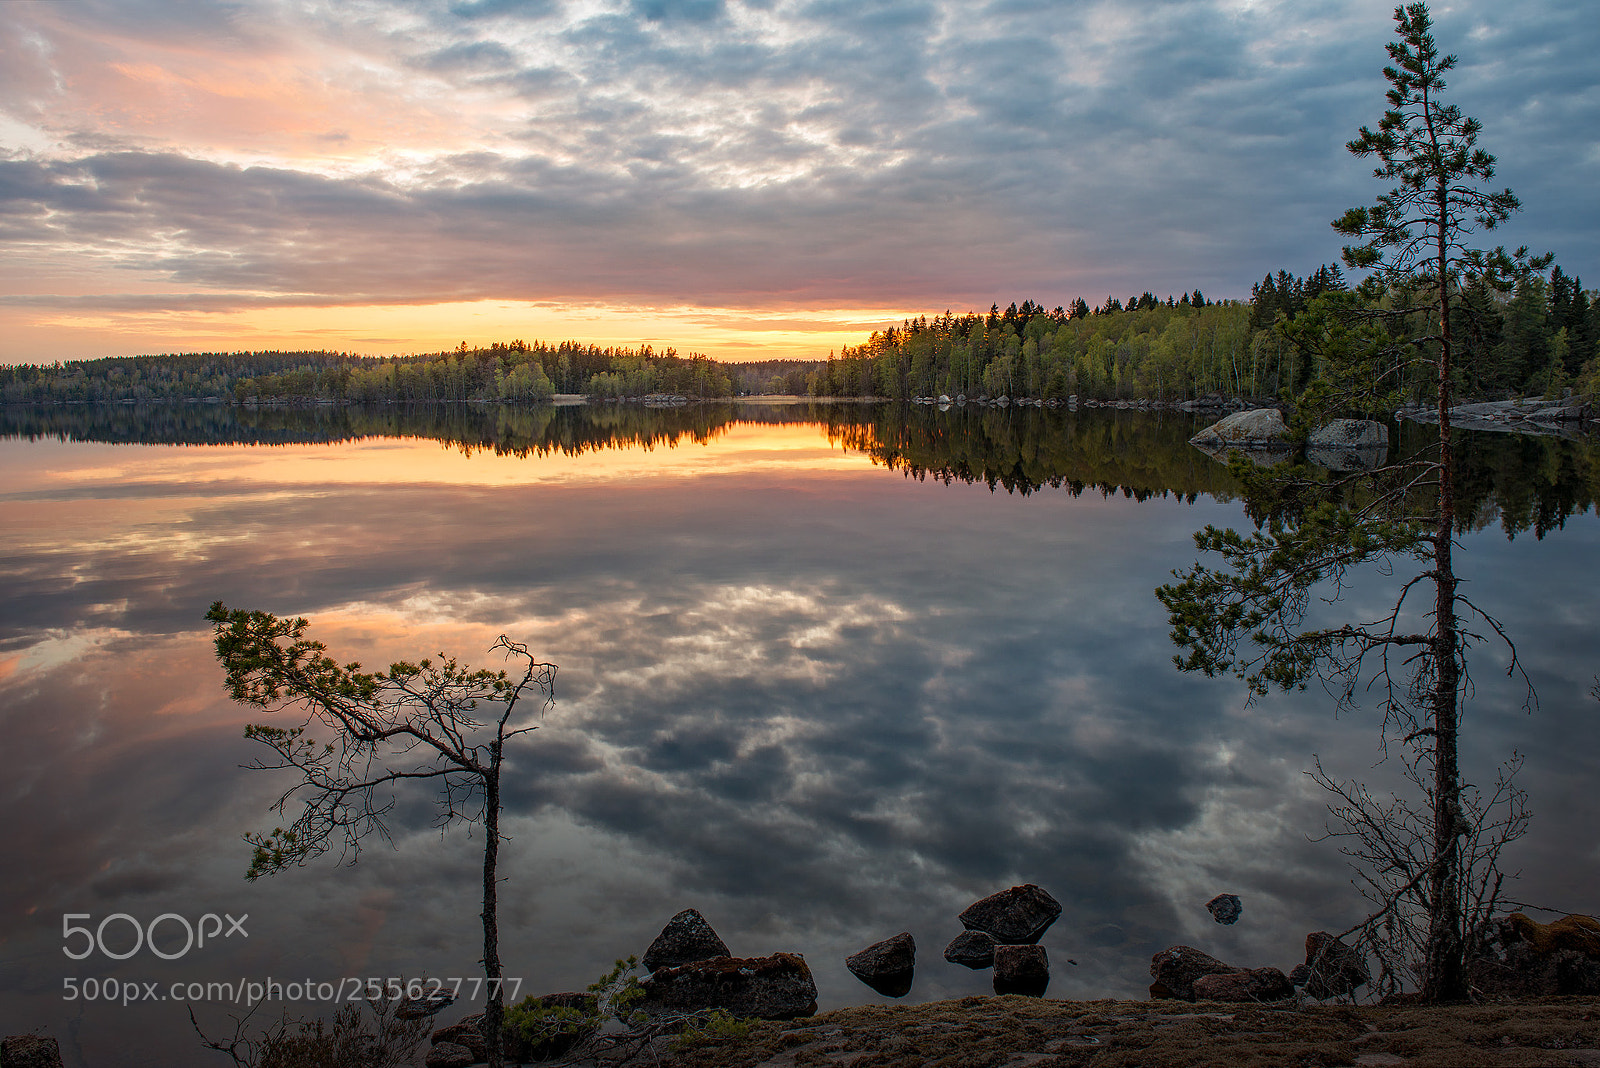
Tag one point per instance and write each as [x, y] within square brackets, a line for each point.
[1540, 340]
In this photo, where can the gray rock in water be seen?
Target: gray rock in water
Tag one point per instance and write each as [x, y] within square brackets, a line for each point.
[778, 987]
[972, 949]
[686, 937]
[1225, 908]
[1252, 984]
[1349, 445]
[1257, 428]
[1021, 970]
[1018, 916]
[888, 966]
[30, 1051]
[1176, 968]
[1332, 967]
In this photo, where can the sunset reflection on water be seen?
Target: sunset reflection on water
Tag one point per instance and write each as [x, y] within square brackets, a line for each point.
[818, 700]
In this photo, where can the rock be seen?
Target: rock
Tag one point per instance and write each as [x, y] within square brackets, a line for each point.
[1332, 967]
[1579, 933]
[450, 1055]
[1265, 455]
[686, 937]
[1530, 416]
[1254, 429]
[1299, 974]
[778, 987]
[1225, 908]
[1348, 459]
[1349, 445]
[426, 1005]
[1018, 916]
[888, 966]
[1523, 958]
[1350, 434]
[1568, 413]
[467, 1034]
[1021, 970]
[29, 1051]
[1252, 984]
[1176, 968]
[973, 949]
[944, 398]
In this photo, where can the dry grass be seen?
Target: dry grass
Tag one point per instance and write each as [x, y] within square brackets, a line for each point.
[1018, 1032]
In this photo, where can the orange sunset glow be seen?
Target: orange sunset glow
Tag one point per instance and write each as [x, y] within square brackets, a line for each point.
[390, 329]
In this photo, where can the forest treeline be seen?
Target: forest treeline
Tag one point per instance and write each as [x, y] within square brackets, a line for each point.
[1541, 339]
[502, 372]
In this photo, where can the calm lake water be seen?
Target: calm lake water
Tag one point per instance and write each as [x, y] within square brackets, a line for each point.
[825, 675]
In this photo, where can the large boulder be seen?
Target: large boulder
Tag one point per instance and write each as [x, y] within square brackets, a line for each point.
[778, 987]
[1021, 970]
[1252, 984]
[971, 949]
[1176, 968]
[888, 966]
[1015, 917]
[686, 937]
[1349, 445]
[29, 1051]
[467, 1034]
[1520, 957]
[1254, 429]
[1333, 968]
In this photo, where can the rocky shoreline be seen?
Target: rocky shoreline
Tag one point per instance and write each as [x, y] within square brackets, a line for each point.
[692, 973]
[1538, 988]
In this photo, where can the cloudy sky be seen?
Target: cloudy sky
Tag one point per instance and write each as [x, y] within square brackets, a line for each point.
[746, 178]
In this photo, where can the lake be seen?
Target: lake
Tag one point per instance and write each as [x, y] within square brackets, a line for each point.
[826, 674]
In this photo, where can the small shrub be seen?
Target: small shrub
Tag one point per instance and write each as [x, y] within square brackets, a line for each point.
[712, 1025]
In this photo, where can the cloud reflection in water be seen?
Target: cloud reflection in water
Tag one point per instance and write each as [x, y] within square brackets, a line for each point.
[816, 700]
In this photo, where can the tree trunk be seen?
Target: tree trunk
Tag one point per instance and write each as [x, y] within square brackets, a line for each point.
[1444, 977]
[494, 1011]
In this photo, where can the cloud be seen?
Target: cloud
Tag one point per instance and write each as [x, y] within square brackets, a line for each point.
[740, 156]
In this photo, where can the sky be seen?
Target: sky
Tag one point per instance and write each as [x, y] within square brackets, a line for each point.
[750, 179]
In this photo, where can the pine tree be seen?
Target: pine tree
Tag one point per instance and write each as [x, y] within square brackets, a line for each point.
[1248, 617]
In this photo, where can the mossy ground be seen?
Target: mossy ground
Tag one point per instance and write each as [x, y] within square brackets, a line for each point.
[1014, 1032]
